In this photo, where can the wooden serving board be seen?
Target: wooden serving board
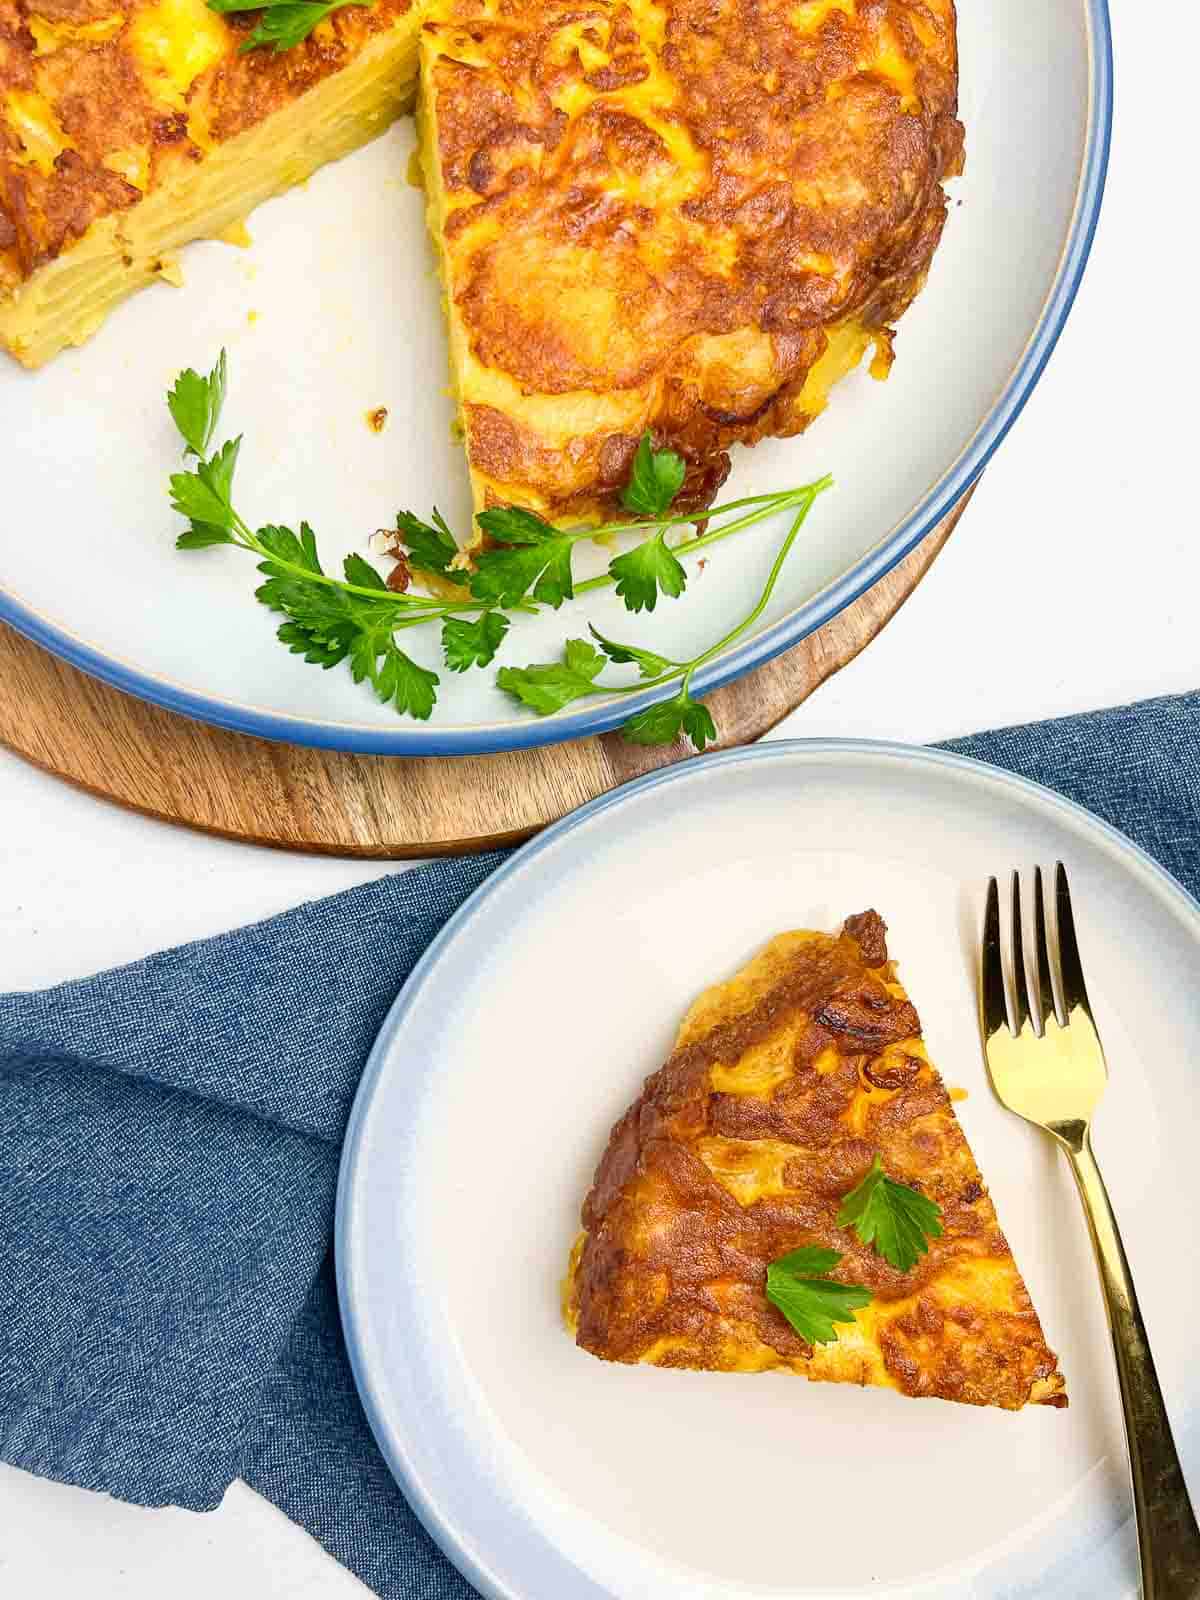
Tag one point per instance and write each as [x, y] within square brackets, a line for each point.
[296, 798]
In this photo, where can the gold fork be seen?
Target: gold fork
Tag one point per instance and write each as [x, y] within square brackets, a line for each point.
[1049, 1068]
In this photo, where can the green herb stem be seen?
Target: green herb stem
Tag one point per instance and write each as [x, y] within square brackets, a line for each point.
[546, 687]
[771, 505]
[248, 541]
[687, 669]
[772, 502]
[433, 610]
[810, 495]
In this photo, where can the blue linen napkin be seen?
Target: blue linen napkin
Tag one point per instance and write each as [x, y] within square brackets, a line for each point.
[169, 1140]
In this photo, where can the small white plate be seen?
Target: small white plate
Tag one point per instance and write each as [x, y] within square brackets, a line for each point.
[88, 565]
[529, 1027]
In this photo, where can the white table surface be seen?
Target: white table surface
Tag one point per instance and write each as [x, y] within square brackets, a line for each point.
[1070, 584]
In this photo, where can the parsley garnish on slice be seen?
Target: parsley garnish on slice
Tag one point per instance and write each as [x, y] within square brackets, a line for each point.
[897, 1220]
[283, 23]
[356, 618]
[812, 1302]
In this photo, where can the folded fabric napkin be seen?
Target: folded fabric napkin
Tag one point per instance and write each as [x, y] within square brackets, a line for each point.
[169, 1140]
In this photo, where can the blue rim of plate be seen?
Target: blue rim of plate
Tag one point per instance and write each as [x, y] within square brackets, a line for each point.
[1096, 1552]
[418, 740]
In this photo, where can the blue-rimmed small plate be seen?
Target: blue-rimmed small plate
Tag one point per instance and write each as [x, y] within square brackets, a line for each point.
[318, 334]
[527, 1030]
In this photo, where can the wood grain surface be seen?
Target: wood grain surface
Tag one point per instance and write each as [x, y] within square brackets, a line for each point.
[296, 798]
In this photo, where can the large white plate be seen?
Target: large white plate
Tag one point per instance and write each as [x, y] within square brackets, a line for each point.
[87, 564]
[528, 1029]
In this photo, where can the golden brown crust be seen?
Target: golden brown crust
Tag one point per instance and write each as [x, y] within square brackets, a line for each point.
[498, 445]
[99, 100]
[674, 202]
[783, 1087]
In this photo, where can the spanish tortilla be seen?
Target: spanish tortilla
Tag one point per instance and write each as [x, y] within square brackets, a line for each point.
[784, 1086]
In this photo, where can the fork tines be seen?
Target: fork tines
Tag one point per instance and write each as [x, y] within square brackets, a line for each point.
[1002, 1005]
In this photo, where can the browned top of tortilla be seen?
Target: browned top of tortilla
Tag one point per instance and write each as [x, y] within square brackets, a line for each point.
[97, 103]
[680, 198]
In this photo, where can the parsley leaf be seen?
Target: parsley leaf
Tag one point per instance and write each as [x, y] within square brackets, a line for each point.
[218, 470]
[550, 686]
[537, 561]
[195, 405]
[811, 1302]
[648, 664]
[286, 546]
[663, 723]
[698, 723]
[327, 613]
[432, 547]
[326, 624]
[654, 480]
[641, 572]
[321, 640]
[468, 644]
[316, 651]
[362, 574]
[395, 677]
[204, 495]
[897, 1220]
[202, 534]
[515, 525]
[283, 23]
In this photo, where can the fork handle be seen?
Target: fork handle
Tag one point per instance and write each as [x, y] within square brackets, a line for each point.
[1168, 1538]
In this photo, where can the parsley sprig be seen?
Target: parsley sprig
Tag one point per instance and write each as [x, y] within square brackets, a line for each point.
[811, 1301]
[897, 1220]
[283, 23]
[525, 564]
[549, 686]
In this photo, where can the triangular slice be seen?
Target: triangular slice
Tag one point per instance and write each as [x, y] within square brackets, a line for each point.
[784, 1086]
[686, 217]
